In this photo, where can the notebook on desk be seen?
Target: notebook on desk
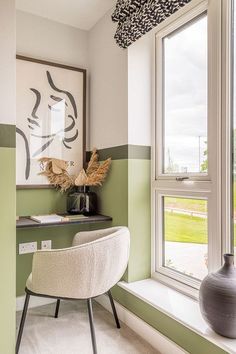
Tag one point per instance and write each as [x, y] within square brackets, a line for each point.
[74, 217]
[43, 219]
[54, 218]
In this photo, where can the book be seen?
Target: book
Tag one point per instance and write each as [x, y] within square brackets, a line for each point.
[44, 219]
[74, 217]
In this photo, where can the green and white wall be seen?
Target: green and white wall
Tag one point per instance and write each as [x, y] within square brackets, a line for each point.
[119, 125]
[7, 176]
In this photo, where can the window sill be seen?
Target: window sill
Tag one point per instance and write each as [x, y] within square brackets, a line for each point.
[179, 307]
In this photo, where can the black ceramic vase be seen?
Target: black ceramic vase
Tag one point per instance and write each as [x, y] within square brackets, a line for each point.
[217, 299]
[82, 201]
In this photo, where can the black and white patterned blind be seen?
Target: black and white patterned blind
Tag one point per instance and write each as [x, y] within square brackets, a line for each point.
[137, 17]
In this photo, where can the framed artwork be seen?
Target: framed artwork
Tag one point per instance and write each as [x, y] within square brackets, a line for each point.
[50, 118]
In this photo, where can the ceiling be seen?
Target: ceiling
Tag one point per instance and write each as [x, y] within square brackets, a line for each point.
[82, 14]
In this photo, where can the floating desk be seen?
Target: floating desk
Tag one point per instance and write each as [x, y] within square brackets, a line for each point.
[25, 222]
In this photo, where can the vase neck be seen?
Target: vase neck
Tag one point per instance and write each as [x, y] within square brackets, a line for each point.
[229, 259]
[83, 189]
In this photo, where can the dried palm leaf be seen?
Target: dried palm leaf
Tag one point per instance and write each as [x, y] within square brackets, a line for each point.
[81, 179]
[97, 178]
[93, 163]
[56, 172]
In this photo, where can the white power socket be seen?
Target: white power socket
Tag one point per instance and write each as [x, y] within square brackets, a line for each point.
[29, 247]
[46, 245]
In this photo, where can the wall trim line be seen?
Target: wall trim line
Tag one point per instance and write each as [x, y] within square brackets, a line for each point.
[124, 152]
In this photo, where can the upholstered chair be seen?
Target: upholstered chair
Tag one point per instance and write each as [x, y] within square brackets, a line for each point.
[91, 267]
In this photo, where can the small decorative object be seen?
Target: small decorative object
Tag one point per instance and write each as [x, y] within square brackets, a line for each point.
[51, 117]
[80, 199]
[217, 299]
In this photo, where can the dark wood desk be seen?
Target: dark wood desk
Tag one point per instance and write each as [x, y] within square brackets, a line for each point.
[25, 221]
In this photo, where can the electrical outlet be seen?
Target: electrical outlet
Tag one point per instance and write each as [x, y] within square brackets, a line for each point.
[29, 247]
[46, 245]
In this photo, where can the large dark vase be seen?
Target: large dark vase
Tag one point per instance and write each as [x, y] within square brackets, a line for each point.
[82, 201]
[217, 299]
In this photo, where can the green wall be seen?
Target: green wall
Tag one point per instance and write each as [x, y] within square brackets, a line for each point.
[139, 219]
[8, 240]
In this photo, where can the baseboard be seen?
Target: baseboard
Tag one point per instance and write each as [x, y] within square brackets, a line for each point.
[35, 301]
[157, 340]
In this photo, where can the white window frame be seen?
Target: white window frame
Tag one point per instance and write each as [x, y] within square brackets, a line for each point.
[227, 128]
[200, 186]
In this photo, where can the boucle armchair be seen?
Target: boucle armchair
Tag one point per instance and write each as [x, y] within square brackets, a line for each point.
[91, 267]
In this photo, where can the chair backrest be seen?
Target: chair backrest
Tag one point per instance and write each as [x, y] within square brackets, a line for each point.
[90, 268]
[106, 255]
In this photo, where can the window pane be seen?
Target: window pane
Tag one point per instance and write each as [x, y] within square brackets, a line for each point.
[185, 236]
[185, 99]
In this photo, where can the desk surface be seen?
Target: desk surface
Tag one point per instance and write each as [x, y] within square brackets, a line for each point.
[26, 222]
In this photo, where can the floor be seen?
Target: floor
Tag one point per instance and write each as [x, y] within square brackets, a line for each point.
[70, 334]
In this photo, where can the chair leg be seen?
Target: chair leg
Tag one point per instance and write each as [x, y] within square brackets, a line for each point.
[22, 322]
[114, 309]
[57, 308]
[90, 312]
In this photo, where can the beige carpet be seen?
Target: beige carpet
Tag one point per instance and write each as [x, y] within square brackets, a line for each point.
[70, 333]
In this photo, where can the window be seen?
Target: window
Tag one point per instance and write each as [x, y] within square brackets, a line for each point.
[185, 236]
[185, 98]
[186, 184]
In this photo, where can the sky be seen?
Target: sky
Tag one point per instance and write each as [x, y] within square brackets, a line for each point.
[185, 117]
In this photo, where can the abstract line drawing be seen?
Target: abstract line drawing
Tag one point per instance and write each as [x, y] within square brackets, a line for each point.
[27, 167]
[71, 98]
[51, 118]
[34, 122]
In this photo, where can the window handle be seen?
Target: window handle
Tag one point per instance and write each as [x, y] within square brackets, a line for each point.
[180, 179]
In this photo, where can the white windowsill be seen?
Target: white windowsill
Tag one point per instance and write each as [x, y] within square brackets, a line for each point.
[179, 307]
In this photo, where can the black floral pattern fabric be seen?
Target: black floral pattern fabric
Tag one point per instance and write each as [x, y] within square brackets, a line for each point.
[137, 17]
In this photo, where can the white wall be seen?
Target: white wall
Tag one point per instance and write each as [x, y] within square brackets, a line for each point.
[44, 39]
[120, 88]
[140, 90]
[108, 65]
[7, 61]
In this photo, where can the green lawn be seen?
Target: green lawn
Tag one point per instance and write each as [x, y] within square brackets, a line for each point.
[186, 203]
[184, 228]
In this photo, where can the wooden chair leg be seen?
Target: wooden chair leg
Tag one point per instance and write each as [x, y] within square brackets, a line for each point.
[22, 323]
[93, 337]
[114, 309]
[57, 308]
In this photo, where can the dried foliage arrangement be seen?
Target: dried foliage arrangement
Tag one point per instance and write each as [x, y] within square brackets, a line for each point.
[56, 172]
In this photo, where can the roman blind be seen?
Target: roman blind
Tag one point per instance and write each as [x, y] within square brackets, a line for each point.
[137, 17]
